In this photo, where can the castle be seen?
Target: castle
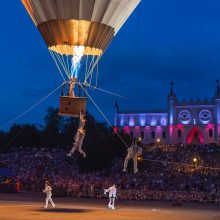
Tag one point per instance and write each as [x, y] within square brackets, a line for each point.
[186, 122]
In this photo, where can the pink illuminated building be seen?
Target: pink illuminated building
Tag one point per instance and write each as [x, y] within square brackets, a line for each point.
[186, 122]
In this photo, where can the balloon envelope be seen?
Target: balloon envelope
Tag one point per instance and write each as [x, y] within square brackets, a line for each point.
[65, 24]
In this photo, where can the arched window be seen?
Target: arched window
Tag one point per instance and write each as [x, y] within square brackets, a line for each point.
[210, 133]
[153, 134]
[142, 135]
[179, 133]
[131, 134]
[164, 135]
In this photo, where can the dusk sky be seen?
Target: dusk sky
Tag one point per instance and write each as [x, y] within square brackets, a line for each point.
[162, 41]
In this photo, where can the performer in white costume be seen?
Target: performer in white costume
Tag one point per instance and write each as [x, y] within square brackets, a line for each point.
[79, 137]
[112, 196]
[133, 152]
[48, 192]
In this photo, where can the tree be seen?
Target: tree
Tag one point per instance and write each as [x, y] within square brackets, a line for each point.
[69, 129]
[52, 132]
[101, 146]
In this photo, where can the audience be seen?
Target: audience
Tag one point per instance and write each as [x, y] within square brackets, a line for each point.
[168, 172]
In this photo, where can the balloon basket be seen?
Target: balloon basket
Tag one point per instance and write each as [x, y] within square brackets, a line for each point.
[72, 106]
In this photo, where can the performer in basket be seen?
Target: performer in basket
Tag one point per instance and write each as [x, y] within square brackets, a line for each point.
[72, 84]
[133, 152]
[48, 192]
[112, 191]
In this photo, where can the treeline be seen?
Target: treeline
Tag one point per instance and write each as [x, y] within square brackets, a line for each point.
[100, 143]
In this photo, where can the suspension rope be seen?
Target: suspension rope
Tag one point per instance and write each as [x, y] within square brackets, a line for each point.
[104, 116]
[105, 91]
[90, 79]
[63, 66]
[55, 61]
[87, 58]
[88, 70]
[67, 60]
[93, 66]
[32, 107]
[64, 63]
[97, 75]
[92, 73]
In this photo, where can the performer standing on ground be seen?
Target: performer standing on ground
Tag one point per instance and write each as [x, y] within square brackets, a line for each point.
[79, 137]
[48, 191]
[112, 196]
[133, 152]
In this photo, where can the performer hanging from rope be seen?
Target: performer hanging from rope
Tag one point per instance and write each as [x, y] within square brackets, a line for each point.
[48, 191]
[133, 152]
[112, 196]
[79, 137]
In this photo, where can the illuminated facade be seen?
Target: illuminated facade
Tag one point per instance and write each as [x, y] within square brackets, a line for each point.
[186, 122]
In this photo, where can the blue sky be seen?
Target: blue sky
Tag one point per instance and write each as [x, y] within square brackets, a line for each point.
[162, 41]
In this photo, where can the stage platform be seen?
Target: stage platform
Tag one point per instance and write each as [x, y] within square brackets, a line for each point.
[29, 206]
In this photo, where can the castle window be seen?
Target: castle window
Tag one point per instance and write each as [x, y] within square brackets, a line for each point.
[142, 135]
[131, 134]
[179, 133]
[153, 134]
[164, 135]
[210, 133]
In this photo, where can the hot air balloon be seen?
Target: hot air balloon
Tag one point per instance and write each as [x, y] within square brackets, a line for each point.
[73, 29]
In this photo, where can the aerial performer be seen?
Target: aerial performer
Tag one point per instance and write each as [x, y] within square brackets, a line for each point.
[48, 192]
[79, 137]
[133, 152]
[112, 191]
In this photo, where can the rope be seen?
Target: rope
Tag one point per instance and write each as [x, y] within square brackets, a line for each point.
[103, 115]
[33, 106]
[106, 91]
[63, 66]
[87, 58]
[87, 74]
[97, 75]
[93, 66]
[55, 61]
[96, 62]
[183, 164]
[64, 63]
[90, 83]
[67, 60]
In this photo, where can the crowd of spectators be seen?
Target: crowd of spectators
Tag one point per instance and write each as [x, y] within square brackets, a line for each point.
[166, 172]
